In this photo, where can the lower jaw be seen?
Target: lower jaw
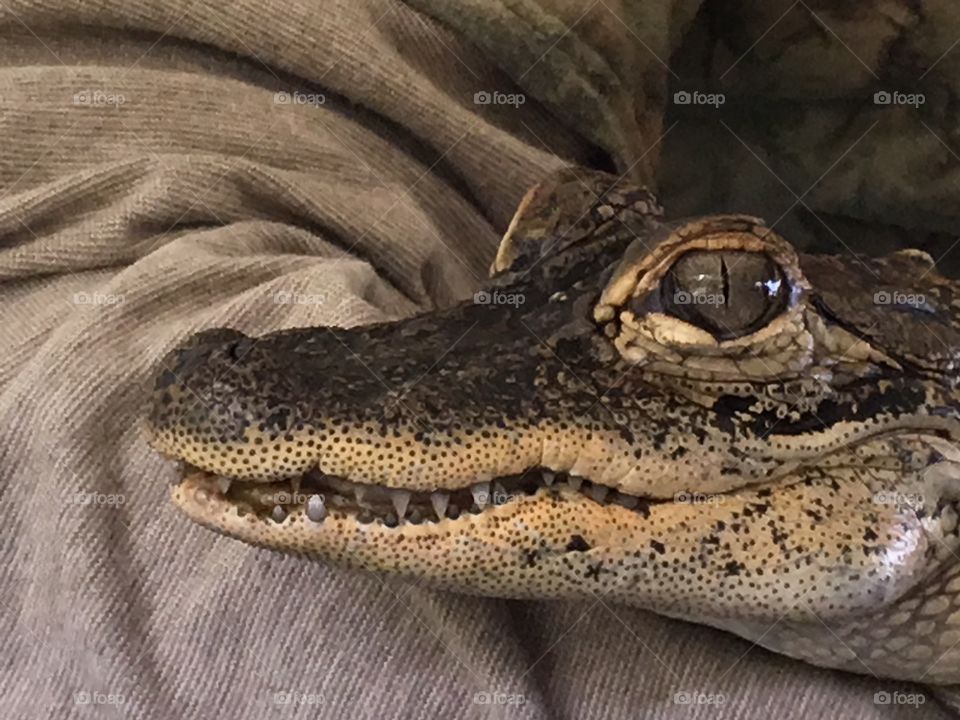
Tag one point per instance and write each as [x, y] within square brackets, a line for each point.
[546, 545]
[476, 552]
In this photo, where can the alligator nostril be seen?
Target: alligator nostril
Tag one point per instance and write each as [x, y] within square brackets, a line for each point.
[196, 349]
[240, 348]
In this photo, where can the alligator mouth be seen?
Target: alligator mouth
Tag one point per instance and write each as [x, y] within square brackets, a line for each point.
[316, 496]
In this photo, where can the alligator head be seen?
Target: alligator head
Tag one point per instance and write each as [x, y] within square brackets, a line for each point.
[687, 416]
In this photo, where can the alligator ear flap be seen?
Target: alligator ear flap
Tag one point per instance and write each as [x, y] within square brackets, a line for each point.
[571, 205]
[527, 229]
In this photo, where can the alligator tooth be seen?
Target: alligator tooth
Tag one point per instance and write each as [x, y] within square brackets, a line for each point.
[575, 482]
[401, 498]
[439, 501]
[278, 514]
[361, 493]
[365, 516]
[295, 484]
[224, 484]
[599, 492]
[316, 510]
[499, 494]
[548, 477]
[481, 494]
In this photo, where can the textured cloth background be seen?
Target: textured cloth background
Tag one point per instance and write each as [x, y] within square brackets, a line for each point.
[153, 183]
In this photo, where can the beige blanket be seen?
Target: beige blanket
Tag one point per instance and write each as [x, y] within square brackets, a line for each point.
[172, 166]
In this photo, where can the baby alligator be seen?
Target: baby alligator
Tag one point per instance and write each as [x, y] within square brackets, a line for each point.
[690, 416]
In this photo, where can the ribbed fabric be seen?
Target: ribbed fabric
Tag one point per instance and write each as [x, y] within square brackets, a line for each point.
[150, 187]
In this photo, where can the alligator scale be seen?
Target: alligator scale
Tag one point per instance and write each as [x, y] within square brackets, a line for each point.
[688, 416]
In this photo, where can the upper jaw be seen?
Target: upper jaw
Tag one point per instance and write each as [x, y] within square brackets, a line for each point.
[450, 422]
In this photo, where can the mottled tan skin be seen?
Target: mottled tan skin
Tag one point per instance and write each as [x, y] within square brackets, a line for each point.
[792, 478]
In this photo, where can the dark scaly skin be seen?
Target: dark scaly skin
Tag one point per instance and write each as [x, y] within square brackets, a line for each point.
[800, 472]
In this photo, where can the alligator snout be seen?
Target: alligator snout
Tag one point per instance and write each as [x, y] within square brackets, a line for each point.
[197, 393]
[437, 400]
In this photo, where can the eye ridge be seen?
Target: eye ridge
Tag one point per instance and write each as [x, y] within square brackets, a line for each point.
[729, 294]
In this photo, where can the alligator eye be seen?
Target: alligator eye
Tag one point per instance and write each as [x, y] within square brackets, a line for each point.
[727, 293]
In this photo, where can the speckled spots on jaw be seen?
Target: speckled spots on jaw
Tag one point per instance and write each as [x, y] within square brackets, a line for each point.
[598, 433]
